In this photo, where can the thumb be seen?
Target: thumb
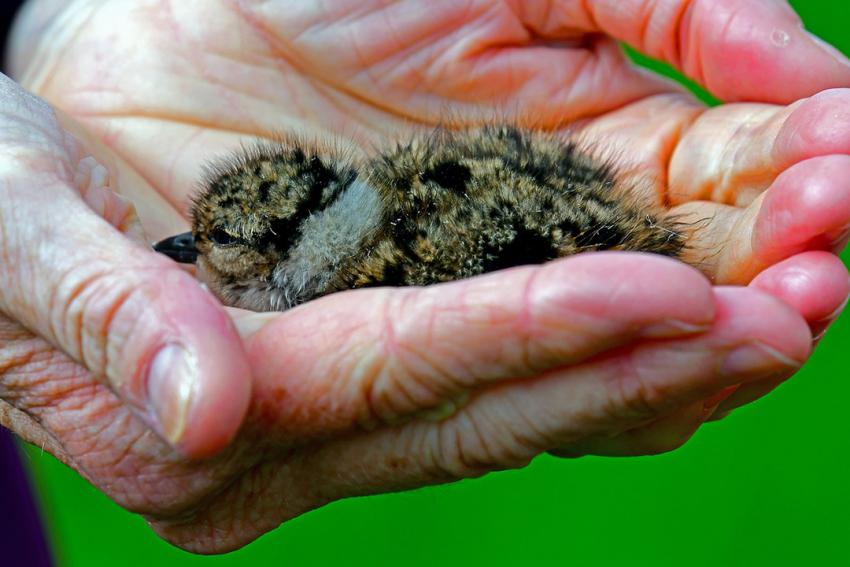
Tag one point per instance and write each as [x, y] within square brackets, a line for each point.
[133, 318]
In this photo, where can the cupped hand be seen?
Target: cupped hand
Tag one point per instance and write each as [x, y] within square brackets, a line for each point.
[378, 390]
[189, 81]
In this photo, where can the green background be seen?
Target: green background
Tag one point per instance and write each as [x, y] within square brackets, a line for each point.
[768, 486]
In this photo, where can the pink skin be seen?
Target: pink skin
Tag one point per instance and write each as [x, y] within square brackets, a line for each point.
[376, 390]
[738, 49]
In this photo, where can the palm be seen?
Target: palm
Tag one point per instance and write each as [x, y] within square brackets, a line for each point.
[180, 85]
[192, 92]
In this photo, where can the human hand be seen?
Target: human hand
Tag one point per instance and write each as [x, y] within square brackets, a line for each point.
[288, 441]
[365, 70]
[368, 71]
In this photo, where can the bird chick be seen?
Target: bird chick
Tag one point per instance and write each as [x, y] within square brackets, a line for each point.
[281, 225]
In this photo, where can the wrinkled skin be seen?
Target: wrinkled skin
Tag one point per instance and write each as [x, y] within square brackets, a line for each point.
[379, 390]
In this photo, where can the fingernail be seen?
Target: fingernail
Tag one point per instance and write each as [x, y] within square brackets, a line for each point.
[835, 314]
[673, 328]
[172, 380]
[839, 242]
[755, 360]
[829, 49]
[821, 326]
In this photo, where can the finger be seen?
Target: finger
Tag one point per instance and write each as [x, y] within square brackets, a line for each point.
[156, 210]
[508, 424]
[479, 56]
[737, 49]
[56, 404]
[816, 285]
[127, 314]
[385, 355]
[720, 168]
[732, 153]
[659, 436]
[749, 393]
[640, 138]
[813, 127]
[807, 208]
[754, 335]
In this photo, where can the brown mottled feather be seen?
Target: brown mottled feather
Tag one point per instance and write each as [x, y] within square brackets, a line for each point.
[283, 224]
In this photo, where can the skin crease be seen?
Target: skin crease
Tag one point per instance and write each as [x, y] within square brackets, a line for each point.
[614, 354]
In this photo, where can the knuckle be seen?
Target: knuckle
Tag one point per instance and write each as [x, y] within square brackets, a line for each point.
[816, 126]
[87, 303]
[461, 451]
[533, 333]
[633, 396]
[401, 375]
[469, 446]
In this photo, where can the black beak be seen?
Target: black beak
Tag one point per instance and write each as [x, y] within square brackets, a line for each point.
[180, 248]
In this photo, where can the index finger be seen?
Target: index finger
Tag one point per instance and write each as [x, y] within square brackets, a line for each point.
[378, 356]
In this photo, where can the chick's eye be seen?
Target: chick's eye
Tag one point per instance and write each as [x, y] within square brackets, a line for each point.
[222, 238]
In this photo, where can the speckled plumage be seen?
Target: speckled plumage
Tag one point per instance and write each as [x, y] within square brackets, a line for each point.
[283, 224]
